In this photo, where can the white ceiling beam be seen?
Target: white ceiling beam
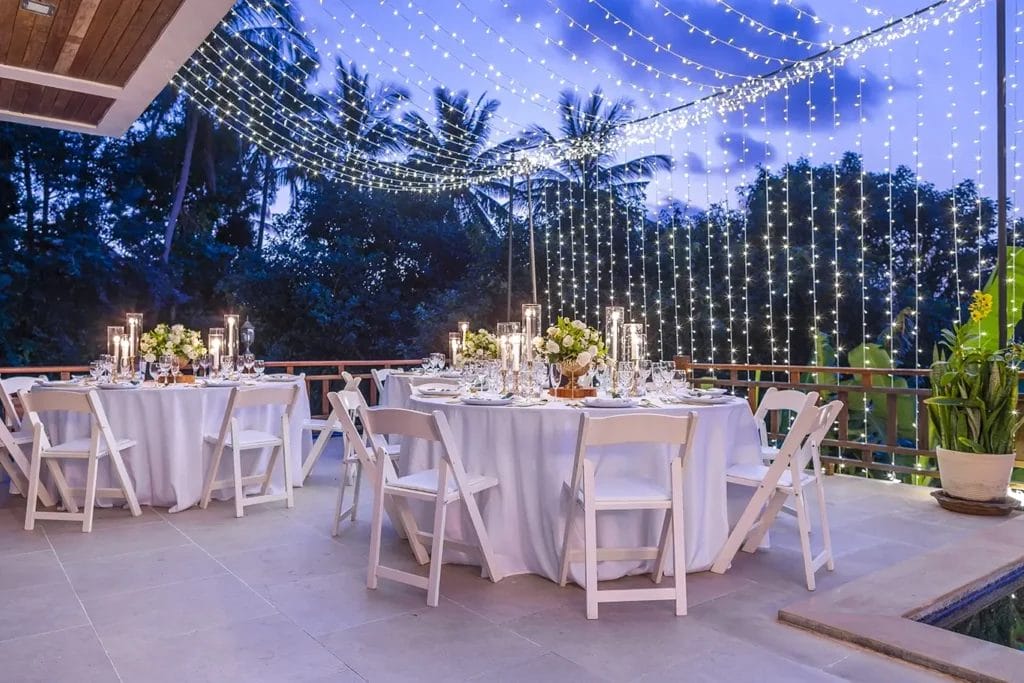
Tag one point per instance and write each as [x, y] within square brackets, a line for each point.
[18, 73]
[46, 122]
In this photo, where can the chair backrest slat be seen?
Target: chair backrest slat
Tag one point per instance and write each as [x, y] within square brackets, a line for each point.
[9, 388]
[636, 428]
[776, 401]
[825, 417]
[250, 397]
[399, 422]
[56, 400]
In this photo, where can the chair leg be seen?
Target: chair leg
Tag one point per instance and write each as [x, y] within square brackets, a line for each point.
[483, 539]
[775, 504]
[89, 505]
[826, 535]
[211, 477]
[126, 483]
[355, 489]
[563, 572]
[742, 528]
[804, 527]
[318, 449]
[679, 537]
[659, 562]
[32, 498]
[437, 552]
[375, 527]
[289, 487]
[590, 540]
[339, 505]
[236, 464]
[63, 488]
[269, 474]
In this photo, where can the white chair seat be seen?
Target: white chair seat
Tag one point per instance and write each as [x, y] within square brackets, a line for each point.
[769, 453]
[316, 424]
[753, 475]
[23, 437]
[426, 481]
[248, 438]
[625, 488]
[80, 448]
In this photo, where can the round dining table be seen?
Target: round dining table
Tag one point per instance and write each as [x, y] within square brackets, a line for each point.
[530, 450]
[169, 461]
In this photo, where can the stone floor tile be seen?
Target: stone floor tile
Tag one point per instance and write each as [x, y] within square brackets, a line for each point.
[548, 668]
[294, 561]
[443, 643]
[30, 569]
[102, 576]
[868, 667]
[71, 654]
[267, 649]
[127, 538]
[36, 609]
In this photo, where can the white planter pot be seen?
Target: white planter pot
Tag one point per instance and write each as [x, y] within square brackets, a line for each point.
[975, 476]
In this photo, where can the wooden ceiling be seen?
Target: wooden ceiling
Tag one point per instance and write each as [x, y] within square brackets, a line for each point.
[75, 68]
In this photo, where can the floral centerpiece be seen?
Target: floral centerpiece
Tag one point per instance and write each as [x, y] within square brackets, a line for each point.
[573, 348]
[973, 406]
[480, 345]
[171, 340]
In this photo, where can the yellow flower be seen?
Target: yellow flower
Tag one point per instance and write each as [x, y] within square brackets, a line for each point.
[981, 306]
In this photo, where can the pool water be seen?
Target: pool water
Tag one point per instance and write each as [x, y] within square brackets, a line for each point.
[994, 613]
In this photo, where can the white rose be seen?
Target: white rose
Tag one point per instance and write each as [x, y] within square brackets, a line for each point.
[552, 329]
[592, 351]
[584, 358]
[555, 333]
[150, 358]
[579, 324]
[552, 346]
[567, 342]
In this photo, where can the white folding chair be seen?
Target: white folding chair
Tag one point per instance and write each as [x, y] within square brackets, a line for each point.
[344, 405]
[14, 461]
[442, 486]
[379, 377]
[786, 476]
[626, 492]
[773, 403]
[239, 439]
[100, 443]
[326, 428]
[10, 388]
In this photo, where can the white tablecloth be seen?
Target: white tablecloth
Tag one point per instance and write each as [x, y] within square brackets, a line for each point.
[169, 461]
[530, 451]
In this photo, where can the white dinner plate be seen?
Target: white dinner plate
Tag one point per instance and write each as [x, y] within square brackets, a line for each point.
[437, 392]
[216, 383]
[486, 400]
[58, 383]
[450, 375]
[704, 400]
[608, 402]
[715, 391]
[117, 385]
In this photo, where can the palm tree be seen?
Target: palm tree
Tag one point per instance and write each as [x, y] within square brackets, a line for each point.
[458, 147]
[272, 31]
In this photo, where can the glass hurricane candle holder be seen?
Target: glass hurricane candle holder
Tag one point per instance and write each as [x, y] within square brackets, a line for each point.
[134, 324]
[231, 334]
[215, 344]
[531, 328]
[614, 317]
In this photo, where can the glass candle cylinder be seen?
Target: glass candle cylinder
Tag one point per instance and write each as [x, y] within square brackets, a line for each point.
[515, 351]
[454, 344]
[134, 324]
[614, 317]
[531, 329]
[215, 345]
[114, 334]
[634, 342]
[463, 328]
[231, 335]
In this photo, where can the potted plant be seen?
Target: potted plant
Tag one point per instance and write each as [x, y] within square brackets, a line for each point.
[973, 408]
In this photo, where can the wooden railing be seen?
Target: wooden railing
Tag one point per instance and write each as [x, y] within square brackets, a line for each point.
[321, 375]
[861, 442]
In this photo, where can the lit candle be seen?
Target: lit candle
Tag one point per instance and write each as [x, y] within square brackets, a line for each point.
[124, 351]
[453, 343]
[117, 352]
[464, 327]
[231, 338]
[503, 347]
[517, 350]
[215, 352]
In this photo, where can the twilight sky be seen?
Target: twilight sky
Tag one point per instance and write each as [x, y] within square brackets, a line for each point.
[524, 53]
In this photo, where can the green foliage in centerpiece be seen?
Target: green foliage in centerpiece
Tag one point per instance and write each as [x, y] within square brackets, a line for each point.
[571, 341]
[973, 406]
[480, 345]
[171, 340]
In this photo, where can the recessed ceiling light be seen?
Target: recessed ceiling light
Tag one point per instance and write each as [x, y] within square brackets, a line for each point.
[44, 8]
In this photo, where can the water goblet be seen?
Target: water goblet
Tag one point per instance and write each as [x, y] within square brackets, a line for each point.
[96, 370]
[259, 367]
[626, 370]
[425, 363]
[249, 361]
[204, 362]
[644, 368]
[175, 368]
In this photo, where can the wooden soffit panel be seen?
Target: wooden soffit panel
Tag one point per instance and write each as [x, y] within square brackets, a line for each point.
[95, 65]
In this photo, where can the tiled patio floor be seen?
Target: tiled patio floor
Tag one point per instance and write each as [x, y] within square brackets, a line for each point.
[201, 596]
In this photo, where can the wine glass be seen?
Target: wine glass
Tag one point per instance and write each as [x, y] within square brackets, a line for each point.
[248, 360]
[626, 370]
[164, 365]
[425, 363]
[259, 367]
[679, 382]
[96, 370]
[644, 368]
[437, 361]
[204, 363]
[658, 376]
[174, 365]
